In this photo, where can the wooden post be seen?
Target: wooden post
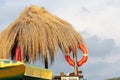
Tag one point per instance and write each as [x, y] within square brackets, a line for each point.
[75, 63]
[46, 63]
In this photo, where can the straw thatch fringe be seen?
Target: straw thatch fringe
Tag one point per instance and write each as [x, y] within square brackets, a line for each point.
[39, 34]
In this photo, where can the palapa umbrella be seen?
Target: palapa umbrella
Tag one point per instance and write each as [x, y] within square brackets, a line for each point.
[39, 34]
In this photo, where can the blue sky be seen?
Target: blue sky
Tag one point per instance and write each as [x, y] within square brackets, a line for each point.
[96, 20]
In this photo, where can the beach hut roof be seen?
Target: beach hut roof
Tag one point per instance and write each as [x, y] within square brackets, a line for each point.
[39, 34]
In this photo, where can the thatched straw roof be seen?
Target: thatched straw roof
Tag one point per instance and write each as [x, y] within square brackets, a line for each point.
[39, 34]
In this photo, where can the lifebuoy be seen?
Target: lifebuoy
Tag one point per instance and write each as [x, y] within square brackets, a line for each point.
[80, 62]
[18, 54]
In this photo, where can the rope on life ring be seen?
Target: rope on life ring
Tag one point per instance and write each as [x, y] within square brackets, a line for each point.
[80, 62]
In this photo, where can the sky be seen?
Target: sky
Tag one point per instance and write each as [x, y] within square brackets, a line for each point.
[96, 20]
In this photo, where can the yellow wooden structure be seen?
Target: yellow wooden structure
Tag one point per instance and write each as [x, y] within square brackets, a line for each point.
[10, 70]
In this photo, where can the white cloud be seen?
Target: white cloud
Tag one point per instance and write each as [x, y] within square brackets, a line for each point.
[103, 61]
[99, 18]
[102, 51]
[113, 58]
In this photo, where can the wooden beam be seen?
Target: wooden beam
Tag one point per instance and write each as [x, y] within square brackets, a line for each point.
[75, 63]
[46, 63]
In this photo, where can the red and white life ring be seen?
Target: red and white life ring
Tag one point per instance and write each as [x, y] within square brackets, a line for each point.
[80, 62]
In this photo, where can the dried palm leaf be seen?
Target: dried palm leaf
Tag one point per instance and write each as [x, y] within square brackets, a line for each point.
[39, 34]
